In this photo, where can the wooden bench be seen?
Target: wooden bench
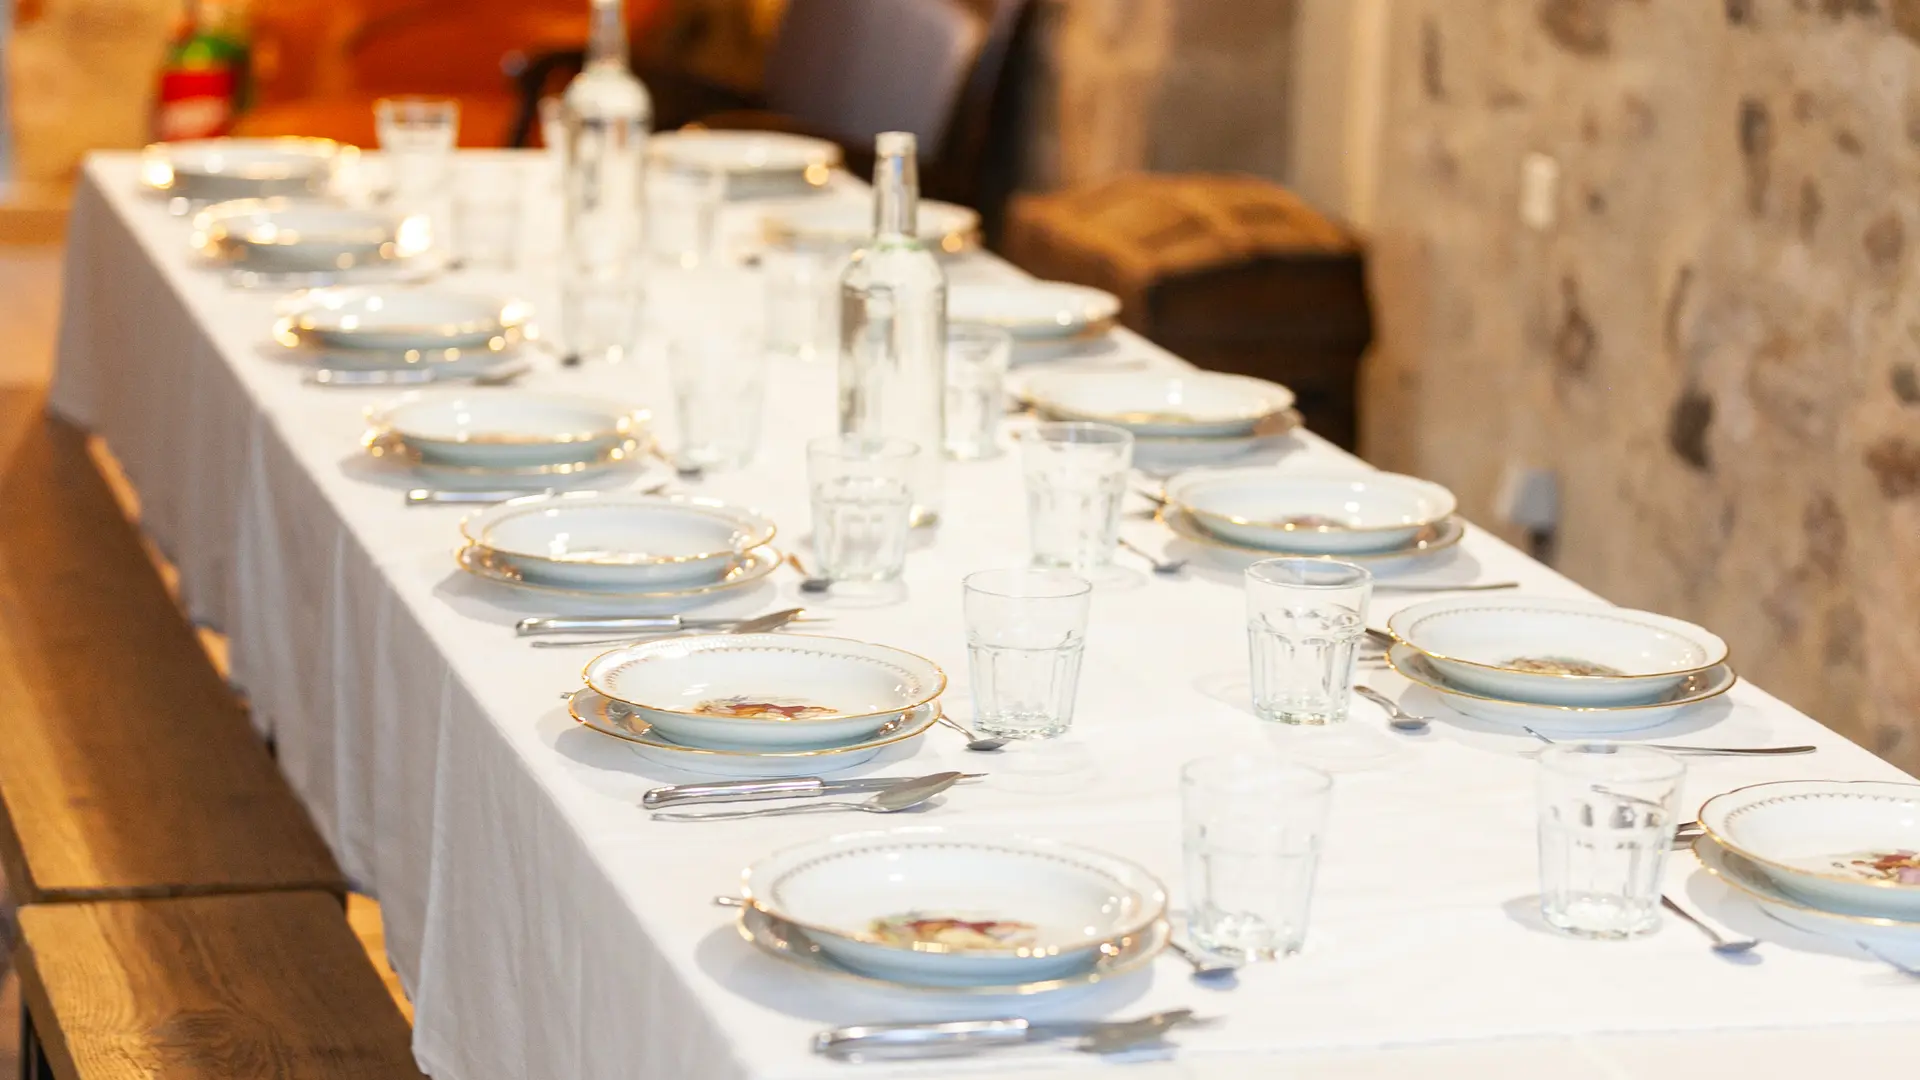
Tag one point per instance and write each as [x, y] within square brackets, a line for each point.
[258, 985]
[127, 767]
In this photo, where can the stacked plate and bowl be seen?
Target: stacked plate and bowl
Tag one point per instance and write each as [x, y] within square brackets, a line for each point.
[1046, 319]
[402, 335]
[641, 552]
[1383, 521]
[842, 226]
[293, 241]
[500, 437]
[1569, 667]
[1178, 418]
[755, 164]
[955, 911]
[761, 705]
[201, 171]
[1833, 858]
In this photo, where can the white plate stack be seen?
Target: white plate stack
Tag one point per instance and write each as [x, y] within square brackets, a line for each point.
[434, 333]
[639, 550]
[760, 704]
[1047, 319]
[1837, 859]
[1567, 667]
[1179, 419]
[1382, 521]
[213, 170]
[955, 910]
[504, 437]
[283, 240]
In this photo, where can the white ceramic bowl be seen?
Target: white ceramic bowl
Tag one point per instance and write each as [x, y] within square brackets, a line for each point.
[1556, 652]
[757, 163]
[1846, 846]
[1897, 939]
[283, 236]
[1698, 687]
[599, 539]
[1041, 310]
[1310, 513]
[765, 691]
[753, 568]
[889, 903]
[1188, 403]
[1426, 545]
[505, 428]
[618, 720]
[212, 170]
[400, 319]
[843, 225]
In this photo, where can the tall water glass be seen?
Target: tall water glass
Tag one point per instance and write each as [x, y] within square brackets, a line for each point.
[1305, 618]
[600, 313]
[803, 302]
[683, 214]
[1026, 630]
[862, 505]
[1607, 815]
[1251, 836]
[417, 135]
[488, 195]
[719, 384]
[1076, 480]
[976, 389]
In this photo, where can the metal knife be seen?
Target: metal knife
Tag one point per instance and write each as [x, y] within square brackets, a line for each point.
[642, 624]
[493, 376]
[437, 496]
[872, 1042]
[799, 787]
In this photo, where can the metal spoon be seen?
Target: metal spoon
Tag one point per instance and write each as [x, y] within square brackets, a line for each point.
[1410, 587]
[1168, 567]
[891, 801]
[1205, 965]
[974, 742]
[1396, 718]
[1722, 944]
[808, 583]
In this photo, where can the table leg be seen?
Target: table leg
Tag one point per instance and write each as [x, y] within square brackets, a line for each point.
[33, 1060]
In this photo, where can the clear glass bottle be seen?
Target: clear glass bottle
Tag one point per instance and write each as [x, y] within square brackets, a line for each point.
[608, 114]
[893, 326]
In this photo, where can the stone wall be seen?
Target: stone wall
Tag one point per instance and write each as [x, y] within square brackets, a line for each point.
[1714, 340]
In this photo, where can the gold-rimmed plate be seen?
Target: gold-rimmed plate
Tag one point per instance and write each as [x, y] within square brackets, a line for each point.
[1897, 937]
[1699, 687]
[1163, 403]
[388, 446]
[602, 539]
[505, 427]
[782, 939]
[1426, 543]
[615, 719]
[753, 566]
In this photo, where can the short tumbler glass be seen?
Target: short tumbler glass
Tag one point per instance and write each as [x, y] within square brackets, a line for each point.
[1607, 816]
[719, 384]
[976, 389]
[1251, 834]
[862, 501]
[1076, 481]
[803, 303]
[1026, 630]
[487, 199]
[418, 134]
[1305, 619]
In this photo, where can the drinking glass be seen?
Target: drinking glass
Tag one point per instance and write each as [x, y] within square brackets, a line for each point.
[1251, 834]
[803, 303]
[1305, 618]
[1607, 815]
[862, 501]
[719, 383]
[418, 134]
[976, 389]
[599, 314]
[683, 214]
[1076, 480]
[487, 197]
[1026, 630]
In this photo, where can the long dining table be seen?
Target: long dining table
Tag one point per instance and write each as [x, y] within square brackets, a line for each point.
[544, 926]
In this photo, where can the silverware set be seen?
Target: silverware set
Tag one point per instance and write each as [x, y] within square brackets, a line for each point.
[627, 628]
[961, 1038]
[891, 797]
[498, 375]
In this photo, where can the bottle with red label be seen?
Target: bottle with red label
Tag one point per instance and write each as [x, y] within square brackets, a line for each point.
[203, 84]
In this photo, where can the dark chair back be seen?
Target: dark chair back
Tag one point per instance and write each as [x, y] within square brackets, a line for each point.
[851, 69]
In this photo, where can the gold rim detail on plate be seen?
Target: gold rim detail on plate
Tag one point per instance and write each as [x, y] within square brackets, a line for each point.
[1453, 506]
[327, 152]
[1270, 426]
[625, 423]
[1729, 845]
[1434, 538]
[898, 731]
[387, 444]
[754, 565]
[289, 336]
[1255, 416]
[1726, 653]
[587, 498]
[1780, 900]
[1434, 681]
[940, 677]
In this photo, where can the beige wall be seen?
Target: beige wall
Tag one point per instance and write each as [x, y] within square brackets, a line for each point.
[1714, 342]
[81, 75]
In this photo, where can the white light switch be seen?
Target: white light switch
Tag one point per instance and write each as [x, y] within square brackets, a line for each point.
[1539, 190]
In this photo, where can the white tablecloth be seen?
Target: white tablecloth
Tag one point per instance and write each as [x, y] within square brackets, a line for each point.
[546, 928]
